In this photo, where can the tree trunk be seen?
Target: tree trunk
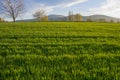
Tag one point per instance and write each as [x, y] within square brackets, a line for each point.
[14, 19]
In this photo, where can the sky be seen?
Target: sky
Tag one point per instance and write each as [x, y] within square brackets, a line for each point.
[62, 7]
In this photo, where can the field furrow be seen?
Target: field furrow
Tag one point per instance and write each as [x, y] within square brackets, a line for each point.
[59, 51]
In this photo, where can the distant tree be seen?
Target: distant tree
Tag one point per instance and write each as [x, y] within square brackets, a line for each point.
[12, 8]
[41, 15]
[2, 20]
[77, 17]
[89, 19]
[111, 21]
[45, 18]
[70, 16]
[118, 21]
[100, 20]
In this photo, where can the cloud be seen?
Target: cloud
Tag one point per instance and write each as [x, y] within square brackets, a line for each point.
[30, 10]
[109, 7]
[49, 8]
[62, 4]
[72, 3]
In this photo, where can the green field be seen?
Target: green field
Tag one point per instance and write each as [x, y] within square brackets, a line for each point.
[59, 51]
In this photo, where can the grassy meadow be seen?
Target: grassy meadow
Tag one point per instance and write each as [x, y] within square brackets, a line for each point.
[59, 51]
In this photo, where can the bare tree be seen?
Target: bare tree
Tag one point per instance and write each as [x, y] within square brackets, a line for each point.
[40, 15]
[12, 8]
[70, 16]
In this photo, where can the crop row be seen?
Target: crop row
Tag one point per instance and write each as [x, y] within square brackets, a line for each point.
[99, 66]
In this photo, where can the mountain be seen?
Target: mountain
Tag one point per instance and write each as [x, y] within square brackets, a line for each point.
[96, 18]
[26, 20]
[100, 17]
[55, 17]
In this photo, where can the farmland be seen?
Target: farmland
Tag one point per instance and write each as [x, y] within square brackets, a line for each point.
[59, 51]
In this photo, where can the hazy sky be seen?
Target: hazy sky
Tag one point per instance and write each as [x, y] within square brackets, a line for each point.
[84, 7]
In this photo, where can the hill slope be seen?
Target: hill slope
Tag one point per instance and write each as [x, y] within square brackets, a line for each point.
[96, 17]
